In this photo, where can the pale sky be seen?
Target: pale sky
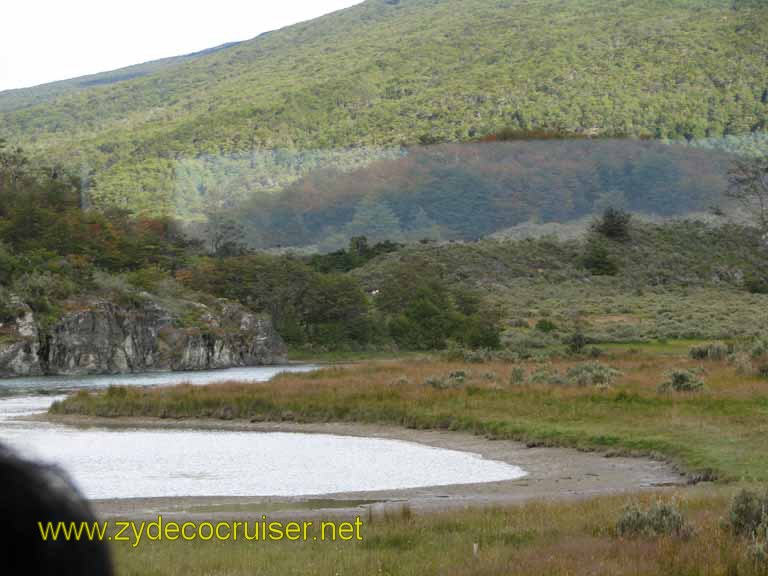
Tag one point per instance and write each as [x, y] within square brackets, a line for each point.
[46, 40]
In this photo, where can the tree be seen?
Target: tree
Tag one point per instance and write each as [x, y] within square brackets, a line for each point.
[614, 224]
[374, 220]
[748, 185]
[598, 260]
[13, 165]
[224, 235]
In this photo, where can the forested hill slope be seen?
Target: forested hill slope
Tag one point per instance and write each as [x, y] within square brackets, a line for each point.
[388, 72]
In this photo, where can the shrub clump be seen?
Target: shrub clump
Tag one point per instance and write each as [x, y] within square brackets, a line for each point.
[517, 376]
[749, 511]
[742, 362]
[759, 347]
[455, 379]
[682, 381]
[749, 518]
[545, 325]
[614, 224]
[582, 375]
[715, 351]
[547, 375]
[436, 382]
[661, 519]
[593, 374]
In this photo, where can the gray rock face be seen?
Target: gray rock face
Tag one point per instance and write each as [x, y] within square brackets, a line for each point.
[103, 338]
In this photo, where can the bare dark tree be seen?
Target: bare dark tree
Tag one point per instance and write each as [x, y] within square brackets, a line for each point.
[748, 185]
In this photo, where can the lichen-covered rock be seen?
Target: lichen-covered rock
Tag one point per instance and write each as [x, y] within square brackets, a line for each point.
[100, 337]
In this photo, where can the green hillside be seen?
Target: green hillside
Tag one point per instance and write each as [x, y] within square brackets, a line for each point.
[357, 84]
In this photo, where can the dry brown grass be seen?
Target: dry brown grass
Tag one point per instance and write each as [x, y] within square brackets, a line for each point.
[718, 430]
[557, 539]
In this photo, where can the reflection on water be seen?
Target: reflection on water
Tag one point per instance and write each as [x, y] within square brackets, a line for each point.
[37, 384]
[128, 463]
[150, 463]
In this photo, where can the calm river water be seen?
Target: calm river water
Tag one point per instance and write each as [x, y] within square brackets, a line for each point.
[131, 463]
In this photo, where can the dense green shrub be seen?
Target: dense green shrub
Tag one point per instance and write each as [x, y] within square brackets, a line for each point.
[714, 351]
[593, 374]
[681, 381]
[759, 347]
[598, 260]
[661, 519]
[7, 310]
[576, 342]
[756, 284]
[430, 319]
[614, 224]
[517, 376]
[8, 265]
[548, 375]
[748, 511]
[546, 325]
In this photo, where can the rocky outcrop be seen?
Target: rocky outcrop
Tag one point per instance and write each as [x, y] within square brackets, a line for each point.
[100, 337]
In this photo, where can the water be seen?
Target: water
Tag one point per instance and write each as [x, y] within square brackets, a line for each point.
[131, 463]
[48, 384]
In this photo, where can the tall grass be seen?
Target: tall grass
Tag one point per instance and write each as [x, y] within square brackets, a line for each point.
[553, 539]
[719, 432]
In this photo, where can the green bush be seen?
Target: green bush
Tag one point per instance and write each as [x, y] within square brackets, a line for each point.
[742, 362]
[661, 519]
[749, 510]
[517, 376]
[436, 382]
[547, 375]
[593, 374]
[576, 342]
[756, 284]
[147, 278]
[759, 347]
[8, 265]
[454, 380]
[714, 351]
[598, 260]
[545, 325]
[614, 224]
[681, 381]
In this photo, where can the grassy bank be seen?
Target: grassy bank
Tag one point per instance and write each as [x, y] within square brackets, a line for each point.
[719, 431]
[538, 538]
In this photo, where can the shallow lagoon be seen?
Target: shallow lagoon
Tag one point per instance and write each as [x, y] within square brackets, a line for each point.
[133, 463]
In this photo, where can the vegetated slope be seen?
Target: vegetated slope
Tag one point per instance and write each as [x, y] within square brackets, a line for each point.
[384, 73]
[682, 279]
[468, 191]
[681, 253]
[21, 98]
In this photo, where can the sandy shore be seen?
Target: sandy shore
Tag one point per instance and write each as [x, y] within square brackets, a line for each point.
[553, 473]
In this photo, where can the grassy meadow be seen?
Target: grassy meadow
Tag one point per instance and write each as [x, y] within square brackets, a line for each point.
[611, 404]
[538, 538]
[719, 431]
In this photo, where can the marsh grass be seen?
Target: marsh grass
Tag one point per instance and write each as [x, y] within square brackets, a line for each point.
[557, 539]
[718, 432]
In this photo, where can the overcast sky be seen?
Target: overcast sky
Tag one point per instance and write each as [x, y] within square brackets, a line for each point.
[46, 40]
